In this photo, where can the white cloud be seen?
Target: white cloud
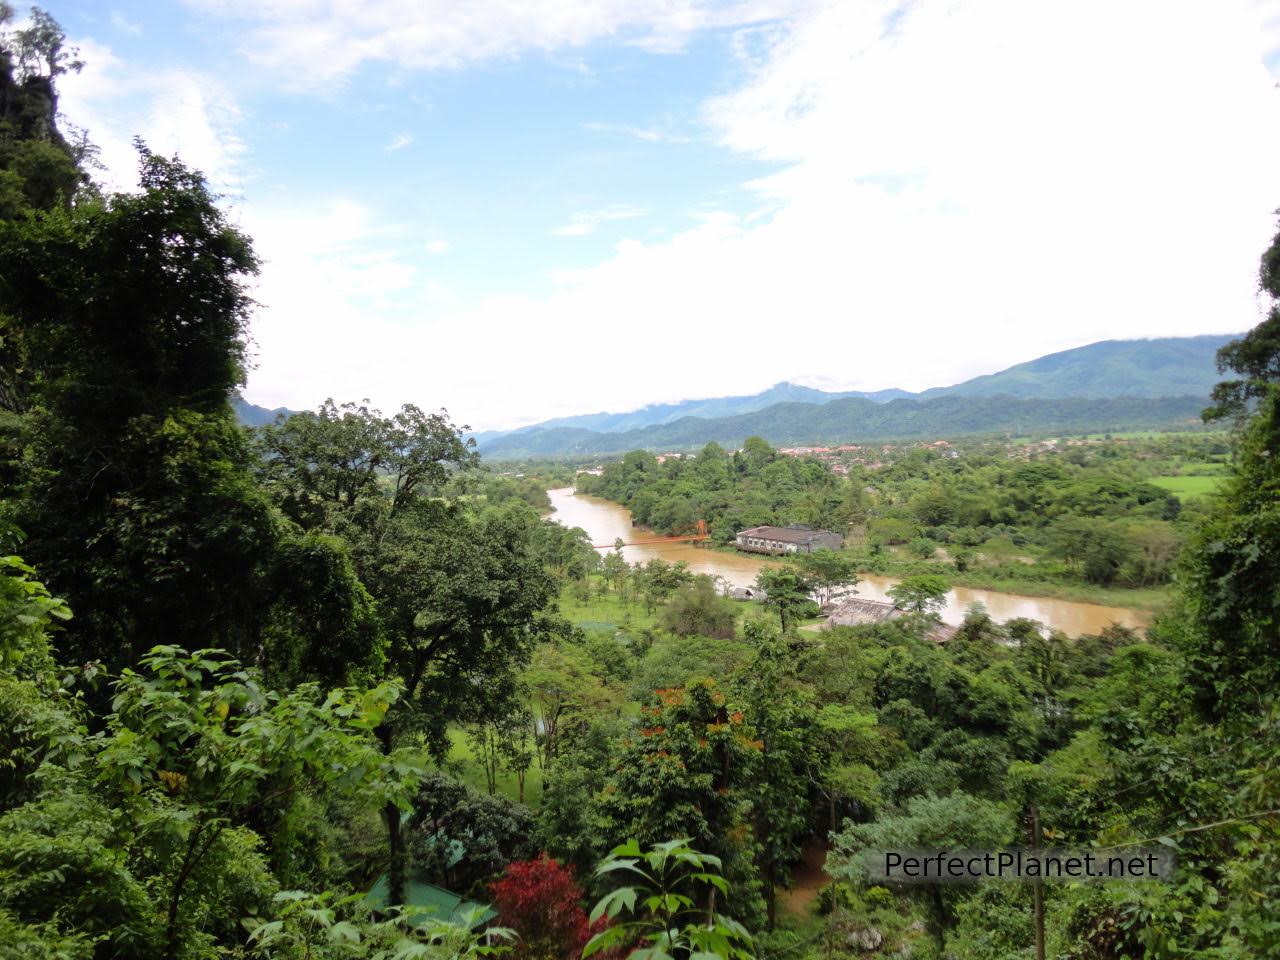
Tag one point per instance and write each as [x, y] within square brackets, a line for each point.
[398, 142]
[959, 186]
[331, 285]
[315, 41]
[587, 221]
[437, 246]
[175, 110]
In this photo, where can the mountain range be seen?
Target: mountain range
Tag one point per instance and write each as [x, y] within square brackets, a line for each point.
[1110, 385]
[1113, 384]
[659, 413]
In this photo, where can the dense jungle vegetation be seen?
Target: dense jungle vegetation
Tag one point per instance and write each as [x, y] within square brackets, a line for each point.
[246, 674]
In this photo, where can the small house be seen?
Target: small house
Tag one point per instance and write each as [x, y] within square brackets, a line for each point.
[858, 611]
[431, 902]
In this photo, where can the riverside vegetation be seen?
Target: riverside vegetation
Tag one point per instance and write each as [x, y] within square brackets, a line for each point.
[1089, 518]
[245, 673]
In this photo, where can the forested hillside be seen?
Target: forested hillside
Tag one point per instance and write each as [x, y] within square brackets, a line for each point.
[660, 413]
[328, 689]
[252, 415]
[1160, 367]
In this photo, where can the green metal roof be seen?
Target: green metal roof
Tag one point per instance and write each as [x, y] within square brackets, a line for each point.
[439, 903]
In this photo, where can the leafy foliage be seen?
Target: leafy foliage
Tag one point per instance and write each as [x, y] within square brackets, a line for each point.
[661, 913]
[323, 927]
[540, 900]
[461, 838]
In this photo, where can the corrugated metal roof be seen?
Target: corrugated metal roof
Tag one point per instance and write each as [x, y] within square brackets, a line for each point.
[786, 534]
[857, 610]
[440, 904]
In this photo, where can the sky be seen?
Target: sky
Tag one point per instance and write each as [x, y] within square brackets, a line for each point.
[522, 209]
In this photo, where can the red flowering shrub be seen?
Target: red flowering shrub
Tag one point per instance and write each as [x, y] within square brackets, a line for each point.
[540, 900]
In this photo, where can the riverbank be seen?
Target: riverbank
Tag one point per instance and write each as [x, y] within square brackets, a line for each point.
[1149, 599]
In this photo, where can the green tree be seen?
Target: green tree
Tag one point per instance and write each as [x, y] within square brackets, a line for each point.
[196, 727]
[154, 836]
[615, 570]
[781, 718]
[659, 579]
[1234, 560]
[462, 597]
[850, 746]
[330, 460]
[830, 573]
[461, 838]
[128, 315]
[696, 609]
[958, 821]
[39, 169]
[924, 593]
[922, 547]
[788, 591]
[685, 766]
[565, 694]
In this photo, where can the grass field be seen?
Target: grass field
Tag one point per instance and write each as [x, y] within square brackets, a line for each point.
[601, 612]
[463, 764]
[1190, 486]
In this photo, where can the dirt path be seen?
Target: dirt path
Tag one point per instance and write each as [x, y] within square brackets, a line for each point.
[808, 877]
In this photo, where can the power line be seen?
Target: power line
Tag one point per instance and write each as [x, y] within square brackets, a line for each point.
[1194, 828]
[1191, 763]
[795, 946]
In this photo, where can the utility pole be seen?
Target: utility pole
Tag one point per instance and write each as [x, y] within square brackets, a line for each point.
[1037, 887]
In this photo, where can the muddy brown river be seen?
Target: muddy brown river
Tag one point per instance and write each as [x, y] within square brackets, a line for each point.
[606, 521]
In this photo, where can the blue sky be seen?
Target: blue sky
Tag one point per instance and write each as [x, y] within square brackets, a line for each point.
[491, 160]
[526, 210]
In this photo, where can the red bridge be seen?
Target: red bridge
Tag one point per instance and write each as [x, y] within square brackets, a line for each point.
[691, 538]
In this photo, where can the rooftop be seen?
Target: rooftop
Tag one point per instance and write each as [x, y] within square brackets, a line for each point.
[858, 611]
[436, 902]
[785, 534]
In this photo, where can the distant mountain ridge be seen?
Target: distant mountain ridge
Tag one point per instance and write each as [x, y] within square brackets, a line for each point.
[1160, 367]
[1159, 380]
[252, 415]
[659, 413]
[1145, 383]
[1164, 367]
[859, 420]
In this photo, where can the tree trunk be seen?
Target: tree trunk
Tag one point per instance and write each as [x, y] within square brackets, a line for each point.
[770, 894]
[195, 851]
[175, 896]
[397, 862]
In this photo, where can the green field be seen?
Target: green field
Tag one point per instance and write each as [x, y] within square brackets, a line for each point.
[462, 763]
[1190, 486]
[604, 612]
